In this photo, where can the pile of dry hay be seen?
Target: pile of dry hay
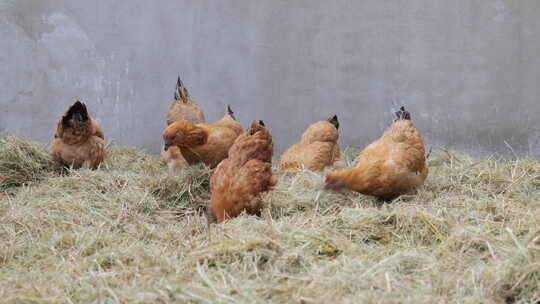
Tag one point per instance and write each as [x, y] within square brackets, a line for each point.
[129, 232]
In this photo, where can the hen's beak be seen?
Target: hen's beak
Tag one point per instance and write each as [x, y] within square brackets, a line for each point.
[167, 145]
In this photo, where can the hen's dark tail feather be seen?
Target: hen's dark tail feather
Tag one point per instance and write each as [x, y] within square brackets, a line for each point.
[255, 126]
[334, 120]
[181, 93]
[77, 111]
[230, 112]
[402, 114]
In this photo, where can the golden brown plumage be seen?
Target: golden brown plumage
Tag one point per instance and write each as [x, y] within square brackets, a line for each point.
[183, 107]
[238, 180]
[388, 167]
[317, 149]
[207, 143]
[78, 139]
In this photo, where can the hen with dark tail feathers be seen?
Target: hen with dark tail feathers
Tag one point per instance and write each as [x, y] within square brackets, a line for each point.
[390, 166]
[183, 107]
[76, 114]
[317, 149]
[78, 140]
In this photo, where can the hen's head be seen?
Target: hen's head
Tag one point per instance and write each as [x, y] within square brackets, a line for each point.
[333, 183]
[184, 133]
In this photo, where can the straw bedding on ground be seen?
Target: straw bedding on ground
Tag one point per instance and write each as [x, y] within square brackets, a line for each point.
[131, 233]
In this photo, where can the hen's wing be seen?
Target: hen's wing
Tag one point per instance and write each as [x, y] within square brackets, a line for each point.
[97, 131]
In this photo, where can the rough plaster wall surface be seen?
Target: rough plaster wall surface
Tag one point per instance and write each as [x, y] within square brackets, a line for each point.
[467, 70]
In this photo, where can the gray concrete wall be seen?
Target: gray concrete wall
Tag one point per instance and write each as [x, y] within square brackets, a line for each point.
[467, 70]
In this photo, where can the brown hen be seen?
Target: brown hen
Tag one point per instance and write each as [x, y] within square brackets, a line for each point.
[183, 107]
[393, 165]
[78, 140]
[206, 143]
[317, 149]
[238, 180]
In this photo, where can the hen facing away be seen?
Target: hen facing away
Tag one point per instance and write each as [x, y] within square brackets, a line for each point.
[239, 179]
[183, 107]
[392, 165]
[78, 140]
[317, 149]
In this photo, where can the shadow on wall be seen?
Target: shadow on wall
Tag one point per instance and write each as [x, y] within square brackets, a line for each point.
[29, 15]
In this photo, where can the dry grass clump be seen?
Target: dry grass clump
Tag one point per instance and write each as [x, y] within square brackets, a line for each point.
[23, 161]
[130, 232]
[185, 192]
